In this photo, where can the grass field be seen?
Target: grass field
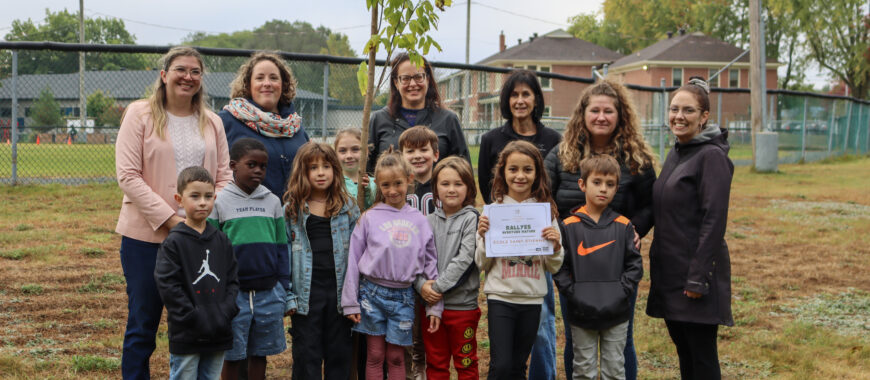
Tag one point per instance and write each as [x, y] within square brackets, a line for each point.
[800, 250]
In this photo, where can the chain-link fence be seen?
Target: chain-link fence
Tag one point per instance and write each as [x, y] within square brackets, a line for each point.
[41, 89]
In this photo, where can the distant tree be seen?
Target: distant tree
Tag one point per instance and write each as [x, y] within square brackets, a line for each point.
[45, 111]
[296, 37]
[838, 36]
[102, 107]
[604, 32]
[63, 26]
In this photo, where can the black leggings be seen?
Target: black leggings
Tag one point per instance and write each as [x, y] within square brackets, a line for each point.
[696, 347]
[512, 332]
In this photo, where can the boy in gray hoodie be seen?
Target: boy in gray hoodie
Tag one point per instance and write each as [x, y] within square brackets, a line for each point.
[458, 283]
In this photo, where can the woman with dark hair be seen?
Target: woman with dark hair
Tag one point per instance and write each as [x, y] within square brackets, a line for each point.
[522, 104]
[414, 100]
[690, 269]
[159, 137]
[262, 108]
[604, 122]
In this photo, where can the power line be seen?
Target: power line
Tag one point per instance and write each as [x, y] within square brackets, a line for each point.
[152, 24]
[518, 14]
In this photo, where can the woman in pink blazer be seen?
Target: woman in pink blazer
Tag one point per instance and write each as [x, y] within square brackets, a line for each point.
[159, 137]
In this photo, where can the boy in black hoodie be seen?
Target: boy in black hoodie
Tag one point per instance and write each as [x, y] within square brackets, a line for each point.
[197, 280]
[601, 268]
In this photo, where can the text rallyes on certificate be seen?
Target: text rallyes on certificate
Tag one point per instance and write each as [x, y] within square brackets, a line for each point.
[515, 229]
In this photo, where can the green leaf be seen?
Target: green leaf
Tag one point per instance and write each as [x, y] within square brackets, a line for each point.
[362, 77]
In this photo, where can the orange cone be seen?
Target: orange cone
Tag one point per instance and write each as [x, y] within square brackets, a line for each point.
[69, 140]
[37, 139]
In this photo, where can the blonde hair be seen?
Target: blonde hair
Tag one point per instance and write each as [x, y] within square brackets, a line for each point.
[157, 99]
[626, 143]
[241, 85]
[299, 188]
[391, 160]
[353, 131]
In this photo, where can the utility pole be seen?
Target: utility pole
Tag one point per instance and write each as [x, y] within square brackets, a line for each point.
[83, 109]
[755, 61]
[467, 29]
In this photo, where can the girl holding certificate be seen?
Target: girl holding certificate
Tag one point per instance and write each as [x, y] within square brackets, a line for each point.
[515, 286]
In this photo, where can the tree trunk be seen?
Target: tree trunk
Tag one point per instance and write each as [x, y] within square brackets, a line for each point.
[367, 112]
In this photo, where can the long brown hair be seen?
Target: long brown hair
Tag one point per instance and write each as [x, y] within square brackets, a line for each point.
[157, 99]
[241, 85]
[541, 185]
[626, 143]
[391, 160]
[299, 189]
[433, 98]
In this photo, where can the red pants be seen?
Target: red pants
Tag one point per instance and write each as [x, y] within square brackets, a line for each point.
[457, 337]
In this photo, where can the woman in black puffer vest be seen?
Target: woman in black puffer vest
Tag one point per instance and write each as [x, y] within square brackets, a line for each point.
[604, 122]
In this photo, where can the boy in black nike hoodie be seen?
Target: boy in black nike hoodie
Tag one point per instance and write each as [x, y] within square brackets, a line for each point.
[197, 280]
[601, 268]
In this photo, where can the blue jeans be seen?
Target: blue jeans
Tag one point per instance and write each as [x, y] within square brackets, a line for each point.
[144, 307]
[204, 366]
[543, 363]
[628, 352]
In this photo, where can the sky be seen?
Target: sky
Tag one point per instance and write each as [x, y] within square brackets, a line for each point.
[162, 22]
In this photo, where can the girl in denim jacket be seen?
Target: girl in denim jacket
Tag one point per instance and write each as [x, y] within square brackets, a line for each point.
[320, 219]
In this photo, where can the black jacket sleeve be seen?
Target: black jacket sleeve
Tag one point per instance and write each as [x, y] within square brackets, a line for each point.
[643, 220]
[552, 166]
[714, 188]
[563, 277]
[484, 169]
[228, 304]
[373, 145]
[170, 278]
[457, 139]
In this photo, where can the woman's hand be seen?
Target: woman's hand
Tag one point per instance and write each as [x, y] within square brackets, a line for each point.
[552, 234]
[434, 323]
[429, 295]
[172, 222]
[353, 318]
[691, 294]
[482, 225]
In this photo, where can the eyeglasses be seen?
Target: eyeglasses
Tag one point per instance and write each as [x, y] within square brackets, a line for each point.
[183, 72]
[418, 78]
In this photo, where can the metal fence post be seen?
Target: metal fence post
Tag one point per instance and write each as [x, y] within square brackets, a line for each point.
[719, 110]
[664, 122]
[14, 123]
[860, 127]
[804, 132]
[867, 142]
[831, 126]
[848, 124]
[325, 100]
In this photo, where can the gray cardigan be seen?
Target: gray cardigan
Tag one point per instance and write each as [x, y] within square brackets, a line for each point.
[458, 276]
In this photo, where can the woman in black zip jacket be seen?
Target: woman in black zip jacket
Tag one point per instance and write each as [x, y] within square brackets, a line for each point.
[604, 122]
[414, 100]
[690, 269]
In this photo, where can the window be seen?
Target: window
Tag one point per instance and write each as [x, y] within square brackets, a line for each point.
[546, 111]
[734, 78]
[482, 81]
[715, 81]
[456, 85]
[545, 82]
[677, 77]
[5, 112]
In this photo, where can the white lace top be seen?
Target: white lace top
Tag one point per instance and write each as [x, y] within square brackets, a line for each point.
[187, 142]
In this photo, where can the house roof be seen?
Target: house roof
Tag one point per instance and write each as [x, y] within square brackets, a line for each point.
[121, 85]
[692, 47]
[557, 45]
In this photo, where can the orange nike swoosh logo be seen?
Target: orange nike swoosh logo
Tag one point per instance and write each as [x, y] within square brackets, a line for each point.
[585, 251]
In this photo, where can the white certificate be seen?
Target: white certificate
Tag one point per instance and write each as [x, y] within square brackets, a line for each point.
[515, 229]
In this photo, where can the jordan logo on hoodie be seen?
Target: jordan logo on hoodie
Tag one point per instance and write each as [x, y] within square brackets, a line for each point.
[205, 270]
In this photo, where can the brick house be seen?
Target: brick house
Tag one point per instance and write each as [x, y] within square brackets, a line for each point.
[556, 52]
[679, 57]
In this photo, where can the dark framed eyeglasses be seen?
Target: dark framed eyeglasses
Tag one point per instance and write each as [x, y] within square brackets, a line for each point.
[418, 78]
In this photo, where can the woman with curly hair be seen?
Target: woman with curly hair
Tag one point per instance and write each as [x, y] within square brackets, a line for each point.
[604, 122]
[262, 108]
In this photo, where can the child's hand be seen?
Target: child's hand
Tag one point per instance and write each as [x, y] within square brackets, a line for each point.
[636, 239]
[691, 294]
[353, 318]
[482, 225]
[289, 312]
[552, 234]
[430, 295]
[364, 179]
[434, 323]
